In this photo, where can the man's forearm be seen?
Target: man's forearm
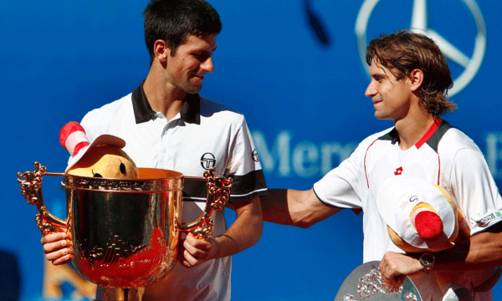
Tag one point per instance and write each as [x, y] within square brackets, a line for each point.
[480, 251]
[295, 207]
[244, 232]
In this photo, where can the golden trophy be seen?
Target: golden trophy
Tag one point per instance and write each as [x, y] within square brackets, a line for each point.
[125, 232]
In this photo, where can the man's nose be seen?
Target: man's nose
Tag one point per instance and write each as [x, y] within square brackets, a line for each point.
[370, 90]
[208, 65]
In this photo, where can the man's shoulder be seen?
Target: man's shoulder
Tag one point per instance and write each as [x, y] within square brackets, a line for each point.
[383, 135]
[213, 110]
[373, 142]
[99, 120]
[108, 110]
[454, 140]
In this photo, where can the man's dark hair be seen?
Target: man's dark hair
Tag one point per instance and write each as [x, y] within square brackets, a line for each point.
[174, 20]
[404, 51]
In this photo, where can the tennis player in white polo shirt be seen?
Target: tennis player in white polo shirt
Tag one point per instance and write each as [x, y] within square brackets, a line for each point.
[166, 124]
[409, 82]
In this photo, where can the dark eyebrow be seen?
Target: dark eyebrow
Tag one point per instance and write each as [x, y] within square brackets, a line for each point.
[203, 52]
[378, 76]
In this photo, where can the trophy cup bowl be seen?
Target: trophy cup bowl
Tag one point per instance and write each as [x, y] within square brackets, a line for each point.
[125, 233]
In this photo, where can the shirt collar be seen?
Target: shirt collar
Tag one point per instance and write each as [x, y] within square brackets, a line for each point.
[430, 132]
[190, 112]
[435, 132]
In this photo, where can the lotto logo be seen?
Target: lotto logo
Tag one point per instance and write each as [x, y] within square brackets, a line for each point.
[398, 171]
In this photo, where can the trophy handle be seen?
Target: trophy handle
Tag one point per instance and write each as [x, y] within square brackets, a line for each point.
[31, 189]
[218, 194]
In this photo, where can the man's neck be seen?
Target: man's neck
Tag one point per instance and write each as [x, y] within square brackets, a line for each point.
[163, 96]
[413, 127]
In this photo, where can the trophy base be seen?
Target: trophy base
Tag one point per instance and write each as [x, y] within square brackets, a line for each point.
[119, 294]
[366, 283]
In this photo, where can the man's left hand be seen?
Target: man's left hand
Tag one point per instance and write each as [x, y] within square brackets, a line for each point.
[394, 266]
[196, 251]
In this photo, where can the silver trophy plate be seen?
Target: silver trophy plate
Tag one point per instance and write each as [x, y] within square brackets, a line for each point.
[365, 283]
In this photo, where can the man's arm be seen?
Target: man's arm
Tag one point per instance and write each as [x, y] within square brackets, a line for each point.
[242, 234]
[295, 207]
[483, 250]
[480, 251]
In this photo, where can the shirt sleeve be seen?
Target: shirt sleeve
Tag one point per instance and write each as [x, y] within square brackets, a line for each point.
[93, 124]
[475, 190]
[344, 186]
[244, 165]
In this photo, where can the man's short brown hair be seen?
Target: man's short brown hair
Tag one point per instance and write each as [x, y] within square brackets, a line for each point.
[403, 52]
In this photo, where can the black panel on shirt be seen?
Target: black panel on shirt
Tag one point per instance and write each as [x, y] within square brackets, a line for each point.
[392, 136]
[438, 134]
[433, 141]
[244, 184]
[191, 109]
[196, 187]
[143, 112]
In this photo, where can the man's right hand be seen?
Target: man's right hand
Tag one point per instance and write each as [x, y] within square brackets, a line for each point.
[57, 247]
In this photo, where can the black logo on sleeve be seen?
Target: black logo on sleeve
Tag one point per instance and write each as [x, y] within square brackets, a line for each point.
[207, 161]
[254, 155]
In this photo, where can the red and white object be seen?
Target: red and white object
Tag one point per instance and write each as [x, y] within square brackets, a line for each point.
[421, 214]
[73, 138]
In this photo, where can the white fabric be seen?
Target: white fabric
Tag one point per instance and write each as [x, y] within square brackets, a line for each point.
[458, 166]
[178, 145]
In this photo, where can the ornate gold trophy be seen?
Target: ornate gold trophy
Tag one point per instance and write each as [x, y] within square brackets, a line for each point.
[125, 232]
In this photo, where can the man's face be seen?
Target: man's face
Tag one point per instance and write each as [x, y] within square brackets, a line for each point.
[391, 97]
[191, 61]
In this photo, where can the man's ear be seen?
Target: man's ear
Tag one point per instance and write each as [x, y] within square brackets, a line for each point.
[416, 78]
[161, 51]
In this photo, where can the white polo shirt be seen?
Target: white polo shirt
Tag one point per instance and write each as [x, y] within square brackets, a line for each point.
[203, 135]
[444, 156]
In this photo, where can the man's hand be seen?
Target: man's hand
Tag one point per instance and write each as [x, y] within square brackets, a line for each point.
[196, 251]
[57, 247]
[397, 264]
[243, 233]
[394, 266]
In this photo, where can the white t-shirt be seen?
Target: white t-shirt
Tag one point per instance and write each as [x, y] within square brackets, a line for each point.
[444, 156]
[203, 135]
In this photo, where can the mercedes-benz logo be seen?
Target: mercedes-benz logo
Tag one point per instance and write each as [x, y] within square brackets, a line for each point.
[207, 161]
[419, 19]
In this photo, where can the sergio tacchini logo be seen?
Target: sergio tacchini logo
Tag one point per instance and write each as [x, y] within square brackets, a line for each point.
[207, 160]
[470, 65]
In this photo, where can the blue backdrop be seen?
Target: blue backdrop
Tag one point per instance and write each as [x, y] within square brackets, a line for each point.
[293, 67]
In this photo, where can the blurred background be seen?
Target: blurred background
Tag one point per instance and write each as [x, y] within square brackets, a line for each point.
[293, 67]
